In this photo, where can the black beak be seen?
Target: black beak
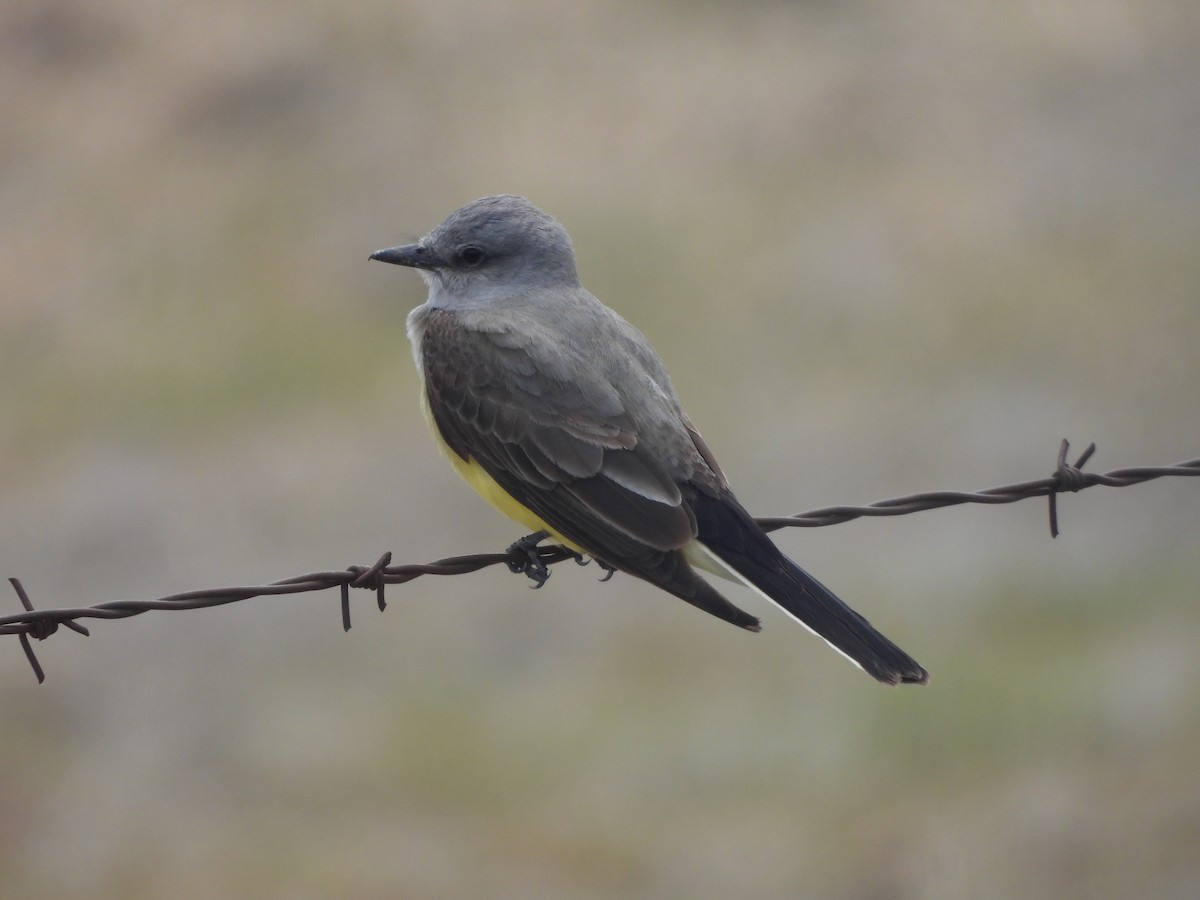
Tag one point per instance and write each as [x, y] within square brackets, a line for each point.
[415, 255]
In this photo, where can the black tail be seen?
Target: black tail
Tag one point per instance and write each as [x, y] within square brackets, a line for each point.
[730, 532]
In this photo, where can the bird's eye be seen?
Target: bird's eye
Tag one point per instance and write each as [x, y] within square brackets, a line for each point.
[471, 256]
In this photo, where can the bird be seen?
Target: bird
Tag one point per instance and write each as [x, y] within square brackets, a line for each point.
[561, 415]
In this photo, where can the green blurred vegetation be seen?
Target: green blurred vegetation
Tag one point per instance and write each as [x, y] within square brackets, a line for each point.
[883, 248]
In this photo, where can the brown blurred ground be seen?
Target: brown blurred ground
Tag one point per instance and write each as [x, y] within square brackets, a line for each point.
[883, 247]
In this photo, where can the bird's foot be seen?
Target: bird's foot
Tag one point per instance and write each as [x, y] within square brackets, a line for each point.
[525, 558]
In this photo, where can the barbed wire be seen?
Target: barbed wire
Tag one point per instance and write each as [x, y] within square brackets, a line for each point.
[534, 561]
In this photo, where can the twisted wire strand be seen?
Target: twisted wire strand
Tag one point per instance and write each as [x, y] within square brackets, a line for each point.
[41, 623]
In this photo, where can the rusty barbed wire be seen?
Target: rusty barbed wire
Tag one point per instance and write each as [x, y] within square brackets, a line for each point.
[41, 623]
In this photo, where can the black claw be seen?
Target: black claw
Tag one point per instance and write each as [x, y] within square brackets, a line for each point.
[581, 560]
[609, 571]
[525, 558]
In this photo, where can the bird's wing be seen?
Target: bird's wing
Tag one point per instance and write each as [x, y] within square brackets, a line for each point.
[567, 449]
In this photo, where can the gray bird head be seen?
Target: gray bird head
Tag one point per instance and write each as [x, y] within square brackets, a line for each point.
[490, 248]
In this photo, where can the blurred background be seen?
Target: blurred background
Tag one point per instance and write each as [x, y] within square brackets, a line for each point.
[884, 248]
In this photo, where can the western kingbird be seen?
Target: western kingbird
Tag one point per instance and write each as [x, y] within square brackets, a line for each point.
[561, 415]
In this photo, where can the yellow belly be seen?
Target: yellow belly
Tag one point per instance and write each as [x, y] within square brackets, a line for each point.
[487, 488]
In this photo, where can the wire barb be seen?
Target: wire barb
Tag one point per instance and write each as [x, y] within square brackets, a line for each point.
[41, 623]
[41, 630]
[370, 578]
[1067, 478]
